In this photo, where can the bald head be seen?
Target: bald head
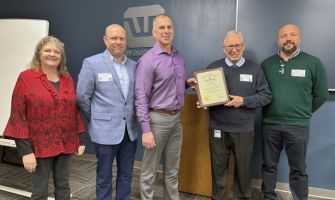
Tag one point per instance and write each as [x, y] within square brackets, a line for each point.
[289, 39]
[289, 27]
[115, 41]
[113, 27]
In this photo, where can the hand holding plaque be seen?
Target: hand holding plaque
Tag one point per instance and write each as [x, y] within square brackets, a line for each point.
[211, 88]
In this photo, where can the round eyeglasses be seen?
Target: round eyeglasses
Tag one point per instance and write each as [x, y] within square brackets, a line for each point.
[236, 46]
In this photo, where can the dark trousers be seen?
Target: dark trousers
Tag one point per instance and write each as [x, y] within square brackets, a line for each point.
[294, 139]
[241, 145]
[125, 155]
[59, 165]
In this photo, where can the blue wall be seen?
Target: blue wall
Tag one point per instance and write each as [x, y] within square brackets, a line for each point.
[200, 27]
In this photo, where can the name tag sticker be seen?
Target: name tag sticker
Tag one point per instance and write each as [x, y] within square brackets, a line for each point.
[217, 133]
[246, 77]
[103, 77]
[298, 72]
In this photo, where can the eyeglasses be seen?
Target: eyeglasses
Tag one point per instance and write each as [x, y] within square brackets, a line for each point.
[236, 46]
[281, 68]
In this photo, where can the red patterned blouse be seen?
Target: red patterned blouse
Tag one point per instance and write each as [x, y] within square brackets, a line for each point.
[49, 118]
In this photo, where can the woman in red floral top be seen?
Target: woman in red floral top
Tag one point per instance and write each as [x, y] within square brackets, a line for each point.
[45, 121]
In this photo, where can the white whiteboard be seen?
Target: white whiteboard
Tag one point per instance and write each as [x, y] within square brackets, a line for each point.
[18, 38]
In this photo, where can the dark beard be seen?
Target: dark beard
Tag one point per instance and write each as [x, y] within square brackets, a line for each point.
[289, 51]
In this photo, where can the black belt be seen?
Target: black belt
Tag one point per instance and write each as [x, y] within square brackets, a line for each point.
[169, 112]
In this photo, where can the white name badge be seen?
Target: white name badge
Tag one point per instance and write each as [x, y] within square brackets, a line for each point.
[246, 77]
[103, 77]
[217, 133]
[298, 72]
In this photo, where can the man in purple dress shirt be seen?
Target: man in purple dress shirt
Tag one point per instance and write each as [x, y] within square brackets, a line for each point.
[159, 96]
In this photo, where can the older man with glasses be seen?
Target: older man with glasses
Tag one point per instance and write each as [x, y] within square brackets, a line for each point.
[231, 126]
[298, 83]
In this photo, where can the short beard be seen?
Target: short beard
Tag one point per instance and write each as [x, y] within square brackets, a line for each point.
[289, 51]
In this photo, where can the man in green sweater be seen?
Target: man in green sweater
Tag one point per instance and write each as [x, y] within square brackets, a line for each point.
[298, 84]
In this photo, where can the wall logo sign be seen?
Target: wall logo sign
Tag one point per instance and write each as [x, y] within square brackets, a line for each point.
[138, 25]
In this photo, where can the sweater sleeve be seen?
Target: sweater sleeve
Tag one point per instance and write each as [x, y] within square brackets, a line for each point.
[262, 96]
[320, 87]
[82, 139]
[23, 146]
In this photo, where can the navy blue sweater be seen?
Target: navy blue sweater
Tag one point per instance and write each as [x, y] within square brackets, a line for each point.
[255, 93]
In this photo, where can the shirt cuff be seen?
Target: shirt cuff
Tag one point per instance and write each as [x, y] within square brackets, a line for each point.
[247, 101]
[145, 127]
[81, 139]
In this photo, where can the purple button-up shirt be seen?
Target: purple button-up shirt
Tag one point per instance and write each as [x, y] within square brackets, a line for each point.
[160, 83]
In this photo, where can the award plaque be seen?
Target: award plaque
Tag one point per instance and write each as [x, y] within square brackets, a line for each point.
[211, 88]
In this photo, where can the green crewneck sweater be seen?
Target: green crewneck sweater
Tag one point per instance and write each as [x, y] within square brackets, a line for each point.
[296, 94]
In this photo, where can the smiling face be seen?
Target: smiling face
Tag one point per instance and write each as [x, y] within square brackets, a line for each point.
[289, 39]
[163, 31]
[115, 40]
[233, 46]
[50, 55]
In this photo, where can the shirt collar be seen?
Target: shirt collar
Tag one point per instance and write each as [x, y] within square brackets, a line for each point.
[114, 60]
[157, 49]
[238, 64]
[293, 56]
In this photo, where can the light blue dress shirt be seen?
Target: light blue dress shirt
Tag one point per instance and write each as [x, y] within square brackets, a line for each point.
[237, 65]
[122, 74]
